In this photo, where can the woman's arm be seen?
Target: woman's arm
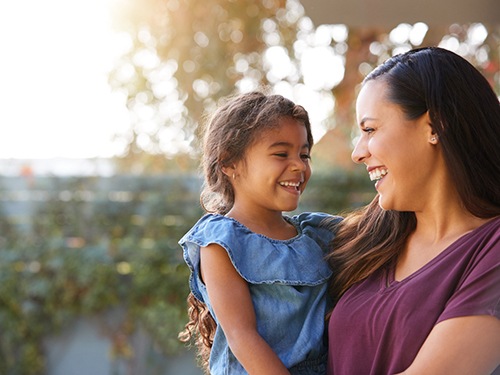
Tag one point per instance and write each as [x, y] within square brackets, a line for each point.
[464, 345]
[231, 301]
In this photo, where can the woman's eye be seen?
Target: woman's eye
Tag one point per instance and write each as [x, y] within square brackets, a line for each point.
[368, 130]
[281, 154]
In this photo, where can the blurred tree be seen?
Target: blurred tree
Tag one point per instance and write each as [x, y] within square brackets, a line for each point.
[184, 55]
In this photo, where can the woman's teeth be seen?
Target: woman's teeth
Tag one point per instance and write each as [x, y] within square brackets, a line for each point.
[377, 174]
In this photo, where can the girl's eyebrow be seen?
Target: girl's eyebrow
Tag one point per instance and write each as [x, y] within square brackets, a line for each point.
[286, 144]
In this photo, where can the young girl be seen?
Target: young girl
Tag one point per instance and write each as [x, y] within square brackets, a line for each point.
[258, 278]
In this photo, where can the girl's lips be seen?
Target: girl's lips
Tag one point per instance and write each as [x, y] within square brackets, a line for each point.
[291, 186]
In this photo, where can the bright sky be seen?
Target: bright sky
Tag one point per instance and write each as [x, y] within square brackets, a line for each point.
[55, 100]
[54, 97]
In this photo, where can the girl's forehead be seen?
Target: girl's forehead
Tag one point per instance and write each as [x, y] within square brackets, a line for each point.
[283, 124]
[287, 131]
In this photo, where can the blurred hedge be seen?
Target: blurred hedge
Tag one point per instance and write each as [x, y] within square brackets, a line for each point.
[71, 247]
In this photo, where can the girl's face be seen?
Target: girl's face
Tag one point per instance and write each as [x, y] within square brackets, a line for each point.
[275, 170]
[400, 154]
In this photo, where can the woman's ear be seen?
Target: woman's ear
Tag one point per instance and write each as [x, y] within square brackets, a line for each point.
[434, 139]
[429, 129]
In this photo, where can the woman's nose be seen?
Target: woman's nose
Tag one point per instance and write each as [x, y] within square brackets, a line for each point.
[360, 152]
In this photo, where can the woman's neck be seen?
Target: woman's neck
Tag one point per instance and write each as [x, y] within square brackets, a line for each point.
[435, 231]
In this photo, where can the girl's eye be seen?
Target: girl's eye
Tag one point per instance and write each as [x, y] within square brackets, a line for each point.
[285, 155]
[368, 130]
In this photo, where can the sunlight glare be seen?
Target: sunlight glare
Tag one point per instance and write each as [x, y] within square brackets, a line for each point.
[55, 98]
[400, 34]
[417, 33]
[322, 68]
[477, 34]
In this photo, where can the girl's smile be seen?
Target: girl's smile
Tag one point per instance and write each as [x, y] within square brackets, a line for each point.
[292, 186]
[274, 171]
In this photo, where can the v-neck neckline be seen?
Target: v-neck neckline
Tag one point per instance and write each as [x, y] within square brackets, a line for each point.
[389, 281]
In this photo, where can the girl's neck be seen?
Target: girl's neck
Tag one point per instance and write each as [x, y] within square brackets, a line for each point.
[271, 224]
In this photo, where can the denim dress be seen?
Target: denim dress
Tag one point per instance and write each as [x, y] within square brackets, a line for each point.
[287, 280]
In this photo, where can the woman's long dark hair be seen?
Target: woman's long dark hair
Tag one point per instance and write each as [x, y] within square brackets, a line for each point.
[233, 128]
[465, 115]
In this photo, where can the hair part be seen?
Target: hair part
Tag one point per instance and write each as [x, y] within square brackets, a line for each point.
[465, 115]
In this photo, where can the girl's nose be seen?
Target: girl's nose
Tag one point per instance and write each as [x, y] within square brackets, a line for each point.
[298, 164]
[360, 152]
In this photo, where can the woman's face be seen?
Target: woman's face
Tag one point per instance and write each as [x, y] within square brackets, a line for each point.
[399, 153]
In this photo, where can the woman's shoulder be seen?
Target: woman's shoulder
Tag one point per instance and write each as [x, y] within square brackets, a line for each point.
[489, 232]
[493, 224]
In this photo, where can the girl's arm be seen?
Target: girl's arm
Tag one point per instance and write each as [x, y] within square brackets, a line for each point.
[464, 345]
[231, 301]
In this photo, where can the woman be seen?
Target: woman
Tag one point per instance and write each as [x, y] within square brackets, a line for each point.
[417, 279]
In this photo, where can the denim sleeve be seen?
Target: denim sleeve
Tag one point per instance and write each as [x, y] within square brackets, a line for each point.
[259, 259]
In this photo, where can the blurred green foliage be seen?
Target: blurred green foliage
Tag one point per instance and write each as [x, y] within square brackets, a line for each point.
[73, 247]
[80, 246]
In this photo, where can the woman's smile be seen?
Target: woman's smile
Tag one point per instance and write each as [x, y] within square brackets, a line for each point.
[377, 175]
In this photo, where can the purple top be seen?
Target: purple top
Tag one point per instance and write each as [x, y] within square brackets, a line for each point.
[379, 324]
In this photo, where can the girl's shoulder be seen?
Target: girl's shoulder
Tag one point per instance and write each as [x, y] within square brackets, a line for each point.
[212, 227]
[316, 221]
[260, 259]
[209, 220]
[319, 226]
[215, 227]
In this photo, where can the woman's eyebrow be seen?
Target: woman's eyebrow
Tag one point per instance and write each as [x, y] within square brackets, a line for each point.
[366, 119]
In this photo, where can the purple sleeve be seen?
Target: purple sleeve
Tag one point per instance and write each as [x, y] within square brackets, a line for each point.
[478, 293]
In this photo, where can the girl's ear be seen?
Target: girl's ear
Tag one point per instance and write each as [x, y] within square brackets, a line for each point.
[229, 171]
